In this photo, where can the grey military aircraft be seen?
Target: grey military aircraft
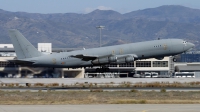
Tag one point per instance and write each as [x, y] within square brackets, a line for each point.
[118, 54]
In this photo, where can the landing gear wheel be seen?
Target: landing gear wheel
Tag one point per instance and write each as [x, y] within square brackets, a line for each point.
[98, 70]
[107, 70]
[174, 59]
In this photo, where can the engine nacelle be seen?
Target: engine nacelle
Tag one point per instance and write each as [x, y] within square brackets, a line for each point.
[105, 60]
[160, 58]
[127, 59]
[112, 59]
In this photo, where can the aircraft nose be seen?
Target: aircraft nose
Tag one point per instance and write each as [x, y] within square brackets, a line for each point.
[191, 45]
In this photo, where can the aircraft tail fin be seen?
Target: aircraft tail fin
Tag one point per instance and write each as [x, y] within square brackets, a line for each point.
[23, 48]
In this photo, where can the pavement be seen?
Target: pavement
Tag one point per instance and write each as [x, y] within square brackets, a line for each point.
[103, 108]
[45, 89]
[94, 80]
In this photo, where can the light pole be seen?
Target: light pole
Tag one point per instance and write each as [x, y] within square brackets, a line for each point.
[100, 28]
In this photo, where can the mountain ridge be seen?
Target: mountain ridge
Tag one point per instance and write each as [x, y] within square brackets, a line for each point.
[79, 30]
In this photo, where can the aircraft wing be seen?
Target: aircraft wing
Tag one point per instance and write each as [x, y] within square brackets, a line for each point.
[84, 57]
[21, 62]
[88, 57]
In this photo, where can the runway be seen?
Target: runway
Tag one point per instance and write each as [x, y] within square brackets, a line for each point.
[45, 89]
[95, 80]
[102, 108]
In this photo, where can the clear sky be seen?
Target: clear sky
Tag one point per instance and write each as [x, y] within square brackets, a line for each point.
[86, 6]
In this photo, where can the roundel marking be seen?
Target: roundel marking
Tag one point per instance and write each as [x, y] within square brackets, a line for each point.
[53, 60]
[165, 47]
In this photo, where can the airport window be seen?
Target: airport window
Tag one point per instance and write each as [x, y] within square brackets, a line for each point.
[143, 63]
[6, 64]
[127, 65]
[112, 65]
[160, 64]
[190, 58]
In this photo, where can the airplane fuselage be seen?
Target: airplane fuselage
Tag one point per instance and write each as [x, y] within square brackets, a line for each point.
[139, 50]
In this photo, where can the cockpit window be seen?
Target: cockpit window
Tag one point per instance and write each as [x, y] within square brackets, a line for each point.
[184, 42]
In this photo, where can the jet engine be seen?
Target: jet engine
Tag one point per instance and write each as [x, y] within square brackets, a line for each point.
[127, 59]
[159, 58]
[105, 60]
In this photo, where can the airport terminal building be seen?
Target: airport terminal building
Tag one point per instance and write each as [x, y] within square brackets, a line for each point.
[166, 67]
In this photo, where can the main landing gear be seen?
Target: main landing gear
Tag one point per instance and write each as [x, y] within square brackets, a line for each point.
[102, 69]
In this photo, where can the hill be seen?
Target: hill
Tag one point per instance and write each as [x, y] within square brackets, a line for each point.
[79, 30]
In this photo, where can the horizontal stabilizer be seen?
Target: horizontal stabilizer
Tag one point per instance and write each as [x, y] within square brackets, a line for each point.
[21, 62]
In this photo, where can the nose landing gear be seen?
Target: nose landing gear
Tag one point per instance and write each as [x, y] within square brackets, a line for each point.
[174, 59]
